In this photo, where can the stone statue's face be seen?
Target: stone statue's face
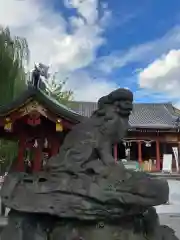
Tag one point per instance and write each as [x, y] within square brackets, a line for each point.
[124, 107]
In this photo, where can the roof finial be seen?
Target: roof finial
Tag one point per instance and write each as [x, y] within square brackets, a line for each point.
[36, 75]
[40, 70]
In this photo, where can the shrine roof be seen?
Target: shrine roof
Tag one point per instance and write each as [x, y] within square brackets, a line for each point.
[47, 101]
[144, 115]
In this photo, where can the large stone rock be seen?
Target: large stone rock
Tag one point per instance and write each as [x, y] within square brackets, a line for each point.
[84, 197]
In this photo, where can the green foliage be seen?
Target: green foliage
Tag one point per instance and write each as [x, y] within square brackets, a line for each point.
[8, 152]
[14, 53]
[59, 93]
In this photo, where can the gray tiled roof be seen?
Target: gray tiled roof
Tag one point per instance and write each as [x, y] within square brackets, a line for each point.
[153, 116]
[144, 115]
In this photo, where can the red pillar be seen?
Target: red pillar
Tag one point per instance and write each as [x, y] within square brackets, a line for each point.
[21, 148]
[157, 156]
[37, 161]
[139, 152]
[116, 152]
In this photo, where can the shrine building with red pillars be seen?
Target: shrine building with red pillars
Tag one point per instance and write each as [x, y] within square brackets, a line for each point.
[39, 124]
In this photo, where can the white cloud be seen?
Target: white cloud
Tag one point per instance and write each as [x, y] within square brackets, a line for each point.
[160, 79]
[89, 88]
[163, 74]
[51, 43]
[88, 9]
[141, 53]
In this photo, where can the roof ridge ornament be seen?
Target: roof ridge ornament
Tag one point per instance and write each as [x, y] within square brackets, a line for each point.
[40, 70]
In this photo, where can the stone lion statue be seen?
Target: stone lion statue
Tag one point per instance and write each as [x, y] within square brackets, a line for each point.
[84, 195]
[93, 138]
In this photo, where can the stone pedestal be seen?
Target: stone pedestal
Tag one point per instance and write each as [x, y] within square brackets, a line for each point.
[23, 226]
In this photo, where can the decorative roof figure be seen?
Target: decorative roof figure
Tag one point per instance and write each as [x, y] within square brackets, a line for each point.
[39, 71]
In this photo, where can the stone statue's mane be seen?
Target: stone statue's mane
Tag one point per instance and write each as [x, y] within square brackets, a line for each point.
[120, 101]
[100, 112]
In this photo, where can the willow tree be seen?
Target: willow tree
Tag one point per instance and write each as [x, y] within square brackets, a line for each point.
[14, 54]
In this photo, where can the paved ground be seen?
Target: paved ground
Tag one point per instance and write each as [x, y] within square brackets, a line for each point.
[172, 220]
[173, 176]
[170, 214]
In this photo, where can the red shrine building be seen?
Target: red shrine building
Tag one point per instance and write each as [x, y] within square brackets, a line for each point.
[154, 131]
[39, 124]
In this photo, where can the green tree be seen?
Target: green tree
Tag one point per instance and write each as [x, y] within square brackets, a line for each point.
[59, 92]
[14, 53]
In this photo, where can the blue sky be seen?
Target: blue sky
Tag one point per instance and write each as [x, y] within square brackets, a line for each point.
[135, 23]
[98, 45]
